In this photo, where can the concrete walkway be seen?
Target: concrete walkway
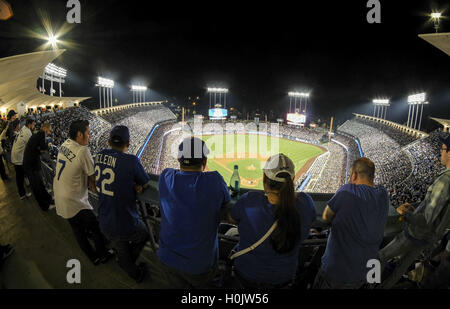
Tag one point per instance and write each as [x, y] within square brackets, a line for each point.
[44, 243]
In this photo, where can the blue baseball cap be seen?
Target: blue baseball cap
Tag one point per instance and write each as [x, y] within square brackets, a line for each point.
[119, 134]
[446, 141]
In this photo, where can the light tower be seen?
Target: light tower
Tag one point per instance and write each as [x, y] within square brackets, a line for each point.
[55, 74]
[436, 16]
[107, 86]
[415, 103]
[380, 108]
[217, 93]
[298, 97]
[138, 93]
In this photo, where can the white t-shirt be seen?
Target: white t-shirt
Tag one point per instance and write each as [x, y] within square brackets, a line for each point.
[74, 165]
[19, 146]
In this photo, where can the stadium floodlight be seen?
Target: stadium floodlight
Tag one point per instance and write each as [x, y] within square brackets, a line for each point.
[138, 93]
[380, 108]
[218, 90]
[416, 102]
[381, 102]
[55, 71]
[138, 88]
[217, 93]
[105, 83]
[417, 99]
[299, 95]
[436, 16]
[107, 86]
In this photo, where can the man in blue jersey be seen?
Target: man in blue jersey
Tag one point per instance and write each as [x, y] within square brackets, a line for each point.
[191, 202]
[358, 213]
[118, 177]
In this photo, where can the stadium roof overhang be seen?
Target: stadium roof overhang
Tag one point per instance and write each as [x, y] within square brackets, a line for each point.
[18, 81]
[443, 122]
[438, 40]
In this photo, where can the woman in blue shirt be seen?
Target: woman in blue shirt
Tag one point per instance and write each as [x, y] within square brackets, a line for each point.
[274, 263]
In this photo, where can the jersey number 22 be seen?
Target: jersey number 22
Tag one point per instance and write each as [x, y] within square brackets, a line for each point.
[106, 181]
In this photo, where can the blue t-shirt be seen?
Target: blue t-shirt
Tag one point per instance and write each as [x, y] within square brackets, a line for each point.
[116, 174]
[190, 217]
[255, 216]
[357, 232]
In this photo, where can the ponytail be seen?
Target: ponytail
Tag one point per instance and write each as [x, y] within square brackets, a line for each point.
[287, 234]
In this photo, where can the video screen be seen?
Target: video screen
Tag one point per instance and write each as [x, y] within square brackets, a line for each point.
[218, 113]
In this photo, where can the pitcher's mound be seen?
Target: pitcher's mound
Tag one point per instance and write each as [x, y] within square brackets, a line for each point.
[251, 168]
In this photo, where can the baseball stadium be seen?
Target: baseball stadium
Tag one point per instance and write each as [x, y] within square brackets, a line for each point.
[94, 176]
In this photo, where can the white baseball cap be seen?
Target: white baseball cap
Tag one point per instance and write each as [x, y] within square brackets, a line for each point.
[279, 164]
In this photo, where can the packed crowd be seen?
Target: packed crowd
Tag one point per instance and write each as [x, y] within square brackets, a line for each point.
[151, 155]
[385, 150]
[426, 166]
[61, 118]
[188, 252]
[140, 122]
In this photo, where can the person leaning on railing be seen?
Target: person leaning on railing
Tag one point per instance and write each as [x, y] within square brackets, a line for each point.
[425, 225]
[272, 225]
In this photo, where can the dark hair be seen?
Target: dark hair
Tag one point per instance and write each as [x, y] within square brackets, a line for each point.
[364, 166]
[77, 126]
[29, 121]
[287, 234]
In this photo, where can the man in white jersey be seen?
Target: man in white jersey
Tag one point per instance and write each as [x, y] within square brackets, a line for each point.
[74, 173]
[17, 155]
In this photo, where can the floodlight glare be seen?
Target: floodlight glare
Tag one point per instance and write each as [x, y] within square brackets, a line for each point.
[56, 71]
[299, 95]
[436, 15]
[106, 83]
[138, 88]
[381, 102]
[218, 90]
[417, 98]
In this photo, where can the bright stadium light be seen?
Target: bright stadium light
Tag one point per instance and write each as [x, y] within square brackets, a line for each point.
[436, 16]
[415, 103]
[381, 102]
[138, 93]
[55, 71]
[299, 95]
[138, 88]
[107, 86]
[218, 90]
[105, 83]
[417, 98]
[216, 95]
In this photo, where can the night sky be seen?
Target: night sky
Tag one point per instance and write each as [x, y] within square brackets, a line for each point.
[259, 50]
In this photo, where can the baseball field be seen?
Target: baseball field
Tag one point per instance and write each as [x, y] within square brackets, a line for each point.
[250, 153]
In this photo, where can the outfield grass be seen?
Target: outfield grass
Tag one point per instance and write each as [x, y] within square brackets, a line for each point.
[250, 152]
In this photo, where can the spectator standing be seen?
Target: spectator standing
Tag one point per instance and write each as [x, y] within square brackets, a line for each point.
[424, 226]
[74, 172]
[17, 156]
[191, 201]
[118, 176]
[37, 145]
[358, 213]
[273, 264]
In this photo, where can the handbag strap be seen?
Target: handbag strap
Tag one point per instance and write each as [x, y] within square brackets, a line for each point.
[257, 244]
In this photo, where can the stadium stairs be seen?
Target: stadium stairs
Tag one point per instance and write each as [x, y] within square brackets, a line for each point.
[44, 243]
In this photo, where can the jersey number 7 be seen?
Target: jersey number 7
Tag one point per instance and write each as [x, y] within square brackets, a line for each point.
[63, 166]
